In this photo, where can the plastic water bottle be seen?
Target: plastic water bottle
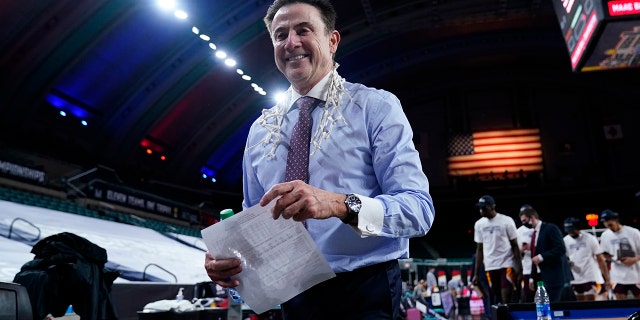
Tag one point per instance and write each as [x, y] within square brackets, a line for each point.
[543, 305]
[180, 295]
[234, 308]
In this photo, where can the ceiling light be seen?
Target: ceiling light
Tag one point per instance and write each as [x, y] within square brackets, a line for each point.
[206, 172]
[181, 14]
[280, 96]
[167, 4]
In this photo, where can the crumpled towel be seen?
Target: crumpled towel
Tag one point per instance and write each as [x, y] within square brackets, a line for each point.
[170, 305]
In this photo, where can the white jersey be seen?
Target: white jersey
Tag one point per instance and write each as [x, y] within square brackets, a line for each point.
[624, 243]
[495, 235]
[582, 253]
[524, 236]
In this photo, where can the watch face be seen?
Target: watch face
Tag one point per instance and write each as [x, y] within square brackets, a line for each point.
[354, 203]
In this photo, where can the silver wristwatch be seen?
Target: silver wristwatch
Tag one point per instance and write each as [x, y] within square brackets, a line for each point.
[353, 204]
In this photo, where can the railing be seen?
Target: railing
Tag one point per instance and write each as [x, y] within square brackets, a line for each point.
[19, 235]
[62, 205]
[144, 272]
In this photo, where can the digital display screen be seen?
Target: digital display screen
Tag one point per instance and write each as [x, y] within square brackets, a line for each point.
[600, 34]
[578, 20]
[623, 8]
[618, 47]
[574, 314]
[577, 310]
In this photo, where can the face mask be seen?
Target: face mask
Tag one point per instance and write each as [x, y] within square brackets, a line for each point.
[575, 236]
[528, 224]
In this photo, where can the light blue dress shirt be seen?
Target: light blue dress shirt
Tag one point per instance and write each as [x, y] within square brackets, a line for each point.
[368, 151]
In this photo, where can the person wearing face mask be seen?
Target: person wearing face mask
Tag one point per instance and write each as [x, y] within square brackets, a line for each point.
[548, 255]
[497, 247]
[587, 262]
[525, 231]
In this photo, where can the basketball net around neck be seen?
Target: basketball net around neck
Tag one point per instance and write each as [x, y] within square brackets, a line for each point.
[271, 119]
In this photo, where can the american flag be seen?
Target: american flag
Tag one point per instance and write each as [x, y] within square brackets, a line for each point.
[495, 152]
[460, 144]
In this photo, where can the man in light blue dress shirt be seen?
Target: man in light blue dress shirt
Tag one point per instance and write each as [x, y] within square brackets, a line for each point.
[367, 194]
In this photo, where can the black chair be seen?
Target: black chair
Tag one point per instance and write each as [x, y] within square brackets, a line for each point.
[14, 302]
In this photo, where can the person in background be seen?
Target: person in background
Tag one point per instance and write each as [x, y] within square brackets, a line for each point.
[588, 265]
[548, 255]
[364, 194]
[497, 248]
[455, 284]
[432, 280]
[621, 245]
[524, 239]
[420, 292]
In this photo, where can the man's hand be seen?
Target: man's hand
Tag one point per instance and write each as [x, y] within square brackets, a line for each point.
[300, 201]
[532, 286]
[629, 261]
[536, 260]
[221, 270]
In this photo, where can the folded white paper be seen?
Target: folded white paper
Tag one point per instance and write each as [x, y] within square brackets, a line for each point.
[279, 258]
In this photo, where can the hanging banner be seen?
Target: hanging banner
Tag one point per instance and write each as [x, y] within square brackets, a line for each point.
[139, 200]
[22, 172]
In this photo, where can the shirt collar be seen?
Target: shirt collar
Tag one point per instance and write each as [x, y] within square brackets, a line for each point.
[319, 91]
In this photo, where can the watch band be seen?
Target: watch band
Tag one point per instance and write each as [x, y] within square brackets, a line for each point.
[349, 218]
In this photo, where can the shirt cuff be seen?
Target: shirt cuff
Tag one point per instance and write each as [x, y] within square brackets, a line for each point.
[370, 218]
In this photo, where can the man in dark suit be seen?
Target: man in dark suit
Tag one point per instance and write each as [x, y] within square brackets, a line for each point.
[548, 254]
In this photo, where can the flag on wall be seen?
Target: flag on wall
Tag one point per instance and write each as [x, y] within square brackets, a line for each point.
[460, 145]
[496, 151]
[613, 132]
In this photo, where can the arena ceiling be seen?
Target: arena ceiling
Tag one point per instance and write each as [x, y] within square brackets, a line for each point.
[143, 79]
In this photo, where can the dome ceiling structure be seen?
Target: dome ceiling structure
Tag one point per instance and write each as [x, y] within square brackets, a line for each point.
[144, 80]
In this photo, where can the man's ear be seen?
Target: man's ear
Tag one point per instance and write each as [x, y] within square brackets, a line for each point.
[333, 41]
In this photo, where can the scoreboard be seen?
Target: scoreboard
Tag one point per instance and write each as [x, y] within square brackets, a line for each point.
[600, 34]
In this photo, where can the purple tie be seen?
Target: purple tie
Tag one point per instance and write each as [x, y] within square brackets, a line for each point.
[298, 158]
